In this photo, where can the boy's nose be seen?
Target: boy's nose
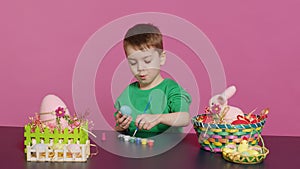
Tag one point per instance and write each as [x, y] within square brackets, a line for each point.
[140, 66]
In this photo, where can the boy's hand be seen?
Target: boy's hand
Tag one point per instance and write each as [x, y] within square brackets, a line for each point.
[123, 121]
[147, 121]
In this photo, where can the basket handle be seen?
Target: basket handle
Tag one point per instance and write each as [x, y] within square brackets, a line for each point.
[260, 137]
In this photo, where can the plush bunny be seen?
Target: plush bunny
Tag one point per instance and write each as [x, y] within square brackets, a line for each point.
[218, 105]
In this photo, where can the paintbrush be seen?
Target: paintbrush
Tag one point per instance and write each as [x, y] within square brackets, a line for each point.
[146, 108]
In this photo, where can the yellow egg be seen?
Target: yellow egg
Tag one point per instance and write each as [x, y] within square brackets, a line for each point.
[227, 150]
[58, 146]
[252, 152]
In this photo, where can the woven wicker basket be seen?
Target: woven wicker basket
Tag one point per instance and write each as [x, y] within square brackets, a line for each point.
[243, 159]
[213, 137]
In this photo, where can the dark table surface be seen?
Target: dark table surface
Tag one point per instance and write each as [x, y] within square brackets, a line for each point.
[187, 155]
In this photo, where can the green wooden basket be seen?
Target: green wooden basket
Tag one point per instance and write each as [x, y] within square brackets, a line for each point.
[78, 134]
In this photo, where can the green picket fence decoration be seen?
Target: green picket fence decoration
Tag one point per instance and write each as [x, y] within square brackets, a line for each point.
[46, 135]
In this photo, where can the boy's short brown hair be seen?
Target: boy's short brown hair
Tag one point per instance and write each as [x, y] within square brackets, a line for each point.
[143, 36]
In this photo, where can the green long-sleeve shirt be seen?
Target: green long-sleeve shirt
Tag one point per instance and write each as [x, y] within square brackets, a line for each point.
[167, 97]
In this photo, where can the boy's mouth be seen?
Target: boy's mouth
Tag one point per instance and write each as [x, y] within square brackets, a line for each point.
[142, 77]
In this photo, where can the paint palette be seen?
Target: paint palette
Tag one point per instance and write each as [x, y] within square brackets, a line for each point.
[136, 140]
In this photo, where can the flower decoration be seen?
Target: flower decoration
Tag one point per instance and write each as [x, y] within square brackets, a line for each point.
[35, 122]
[60, 112]
[207, 110]
[63, 121]
[215, 109]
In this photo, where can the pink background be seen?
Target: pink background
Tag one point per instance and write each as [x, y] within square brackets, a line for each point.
[256, 41]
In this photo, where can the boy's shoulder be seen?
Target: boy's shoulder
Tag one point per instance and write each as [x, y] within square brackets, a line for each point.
[171, 83]
[133, 85]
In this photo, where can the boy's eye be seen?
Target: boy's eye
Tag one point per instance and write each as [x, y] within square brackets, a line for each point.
[148, 61]
[132, 63]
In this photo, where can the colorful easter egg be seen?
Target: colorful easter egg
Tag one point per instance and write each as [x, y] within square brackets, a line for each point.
[252, 152]
[51, 107]
[125, 110]
[40, 147]
[58, 146]
[227, 150]
[74, 148]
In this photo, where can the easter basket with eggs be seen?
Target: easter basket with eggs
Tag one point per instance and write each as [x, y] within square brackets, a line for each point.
[223, 124]
[244, 153]
[55, 135]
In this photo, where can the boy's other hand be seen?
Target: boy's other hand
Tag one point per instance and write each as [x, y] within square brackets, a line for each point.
[147, 121]
[123, 121]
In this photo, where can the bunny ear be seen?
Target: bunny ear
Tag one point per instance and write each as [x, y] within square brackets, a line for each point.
[229, 92]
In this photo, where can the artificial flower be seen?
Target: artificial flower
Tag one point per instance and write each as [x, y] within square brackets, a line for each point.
[215, 109]
[60, 112]
[62, 122]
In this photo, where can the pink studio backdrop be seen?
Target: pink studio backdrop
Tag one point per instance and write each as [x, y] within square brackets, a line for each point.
[256, 41]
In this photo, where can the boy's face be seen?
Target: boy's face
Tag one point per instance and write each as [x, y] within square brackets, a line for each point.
[145, 64]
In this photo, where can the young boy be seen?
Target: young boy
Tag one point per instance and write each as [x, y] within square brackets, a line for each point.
[156, 103]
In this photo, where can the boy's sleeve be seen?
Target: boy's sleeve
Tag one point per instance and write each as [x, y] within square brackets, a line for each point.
[179, 100]
[117, 107]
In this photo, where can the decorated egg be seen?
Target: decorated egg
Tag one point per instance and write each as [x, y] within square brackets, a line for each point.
[74, 148]
[58, 146]
[229, 148]
[51, 108]
[256, 148]
[40, 147]
[125, 110]
[252, 152]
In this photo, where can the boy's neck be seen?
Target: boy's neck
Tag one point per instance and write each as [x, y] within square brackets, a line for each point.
[153, 84]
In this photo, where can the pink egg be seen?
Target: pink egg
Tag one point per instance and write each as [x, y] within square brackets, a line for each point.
[49, 104]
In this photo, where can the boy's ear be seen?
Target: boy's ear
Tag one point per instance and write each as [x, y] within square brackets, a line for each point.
[162, 58]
